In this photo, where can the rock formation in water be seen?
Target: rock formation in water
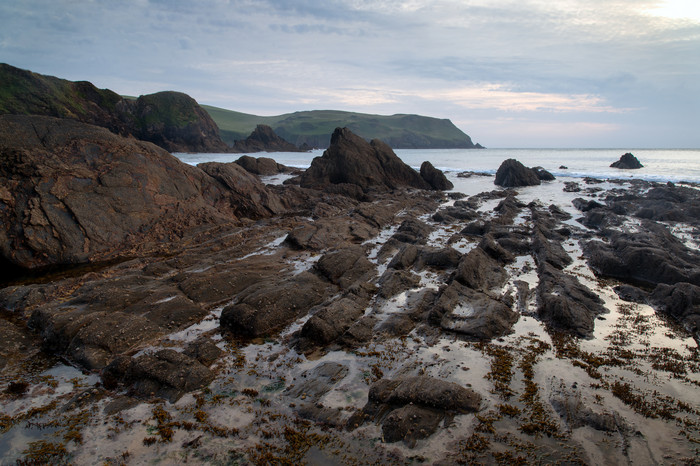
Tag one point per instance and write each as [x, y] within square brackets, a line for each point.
[352, 160]
[627, 162]
[264, 139]
[512, 174]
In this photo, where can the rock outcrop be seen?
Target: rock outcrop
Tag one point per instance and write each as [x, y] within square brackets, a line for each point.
[434, 177]
[171, 120]
[73, 193]
[262, 166]
[627, 162]
[264, 139]
[512, 174]
[369, 165]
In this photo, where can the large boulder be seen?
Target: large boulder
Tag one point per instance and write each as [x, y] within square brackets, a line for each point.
[72, 192]
[434, 177]
[627, 162]
[682, 301]
[369, 165]
[512, 174]
[263, 166]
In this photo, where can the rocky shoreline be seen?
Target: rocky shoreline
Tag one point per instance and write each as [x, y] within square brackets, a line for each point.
[362, 312]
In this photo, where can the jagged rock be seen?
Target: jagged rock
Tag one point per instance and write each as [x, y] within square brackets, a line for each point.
[453, 213]
[78, 193]
[264, 139]
[472, 313]
[393, 282]
[479, 271]
[166, 373]
[434, 177]
[171, 120]
[628, 162]
[263, 166]
[351, 159]
[651, 257]
[441, 258]
[680, 300]
[269, 306]
[566, 303]
[346, 267]
[543, 174]
[246, 196]
[551, 252]
[413, 231]
[512, 174]
[330, 322]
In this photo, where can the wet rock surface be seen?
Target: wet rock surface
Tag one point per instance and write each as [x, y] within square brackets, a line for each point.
[512, 174]
[311, 325]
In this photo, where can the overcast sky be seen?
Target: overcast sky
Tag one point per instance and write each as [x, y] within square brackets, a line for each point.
[521, 73]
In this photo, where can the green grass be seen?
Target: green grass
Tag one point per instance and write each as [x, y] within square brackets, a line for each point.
[315, 127]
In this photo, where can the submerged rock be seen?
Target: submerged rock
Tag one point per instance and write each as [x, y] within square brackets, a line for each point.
[627, 162]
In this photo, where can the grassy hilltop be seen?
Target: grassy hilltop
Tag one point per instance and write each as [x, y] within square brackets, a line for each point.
[316, 126]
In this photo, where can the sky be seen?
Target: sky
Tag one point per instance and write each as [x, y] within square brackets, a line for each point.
[521, 73]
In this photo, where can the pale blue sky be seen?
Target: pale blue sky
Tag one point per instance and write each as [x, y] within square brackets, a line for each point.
[521, 73]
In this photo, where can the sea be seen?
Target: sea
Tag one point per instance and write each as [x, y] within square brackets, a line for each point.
[662, 165]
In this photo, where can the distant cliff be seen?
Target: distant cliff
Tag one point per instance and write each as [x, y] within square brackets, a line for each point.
[171, 120]
[314, 128]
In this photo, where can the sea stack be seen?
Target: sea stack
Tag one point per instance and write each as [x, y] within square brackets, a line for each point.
[627, 162]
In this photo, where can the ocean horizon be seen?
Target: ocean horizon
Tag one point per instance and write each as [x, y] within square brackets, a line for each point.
[661, 165]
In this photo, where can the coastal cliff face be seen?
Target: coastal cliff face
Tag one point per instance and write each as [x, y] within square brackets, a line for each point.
[171, 120]
[73, 193]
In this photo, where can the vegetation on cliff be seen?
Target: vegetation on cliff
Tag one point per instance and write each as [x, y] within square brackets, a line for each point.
[314, 128]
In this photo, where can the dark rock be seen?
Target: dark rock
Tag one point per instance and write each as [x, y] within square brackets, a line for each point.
[627, 162]
[495, 250]
[512, 174]
[547, 251]
[351, 159]
[262, 166]
[586, 205]
[479, 271]
[316, 382]
[166, 374]
[410, 423]
[91, 338]
[329, 323]
[405, 258]
[345, 267]
[203, 350]
[441, 258]
[173, 121]
[269, 306]
[74, 193]
[631, 294]
[413, 231]
[571, 187]
[246, 195]
[393, 282]
[264, 139]
[473, 313]
[425, 391]
[396, 326]
[563, 167]
[451, 214]
[650, 257]
[434, 177]
[476, 228]
[566, 303]
[543, 174]
[681, 301]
